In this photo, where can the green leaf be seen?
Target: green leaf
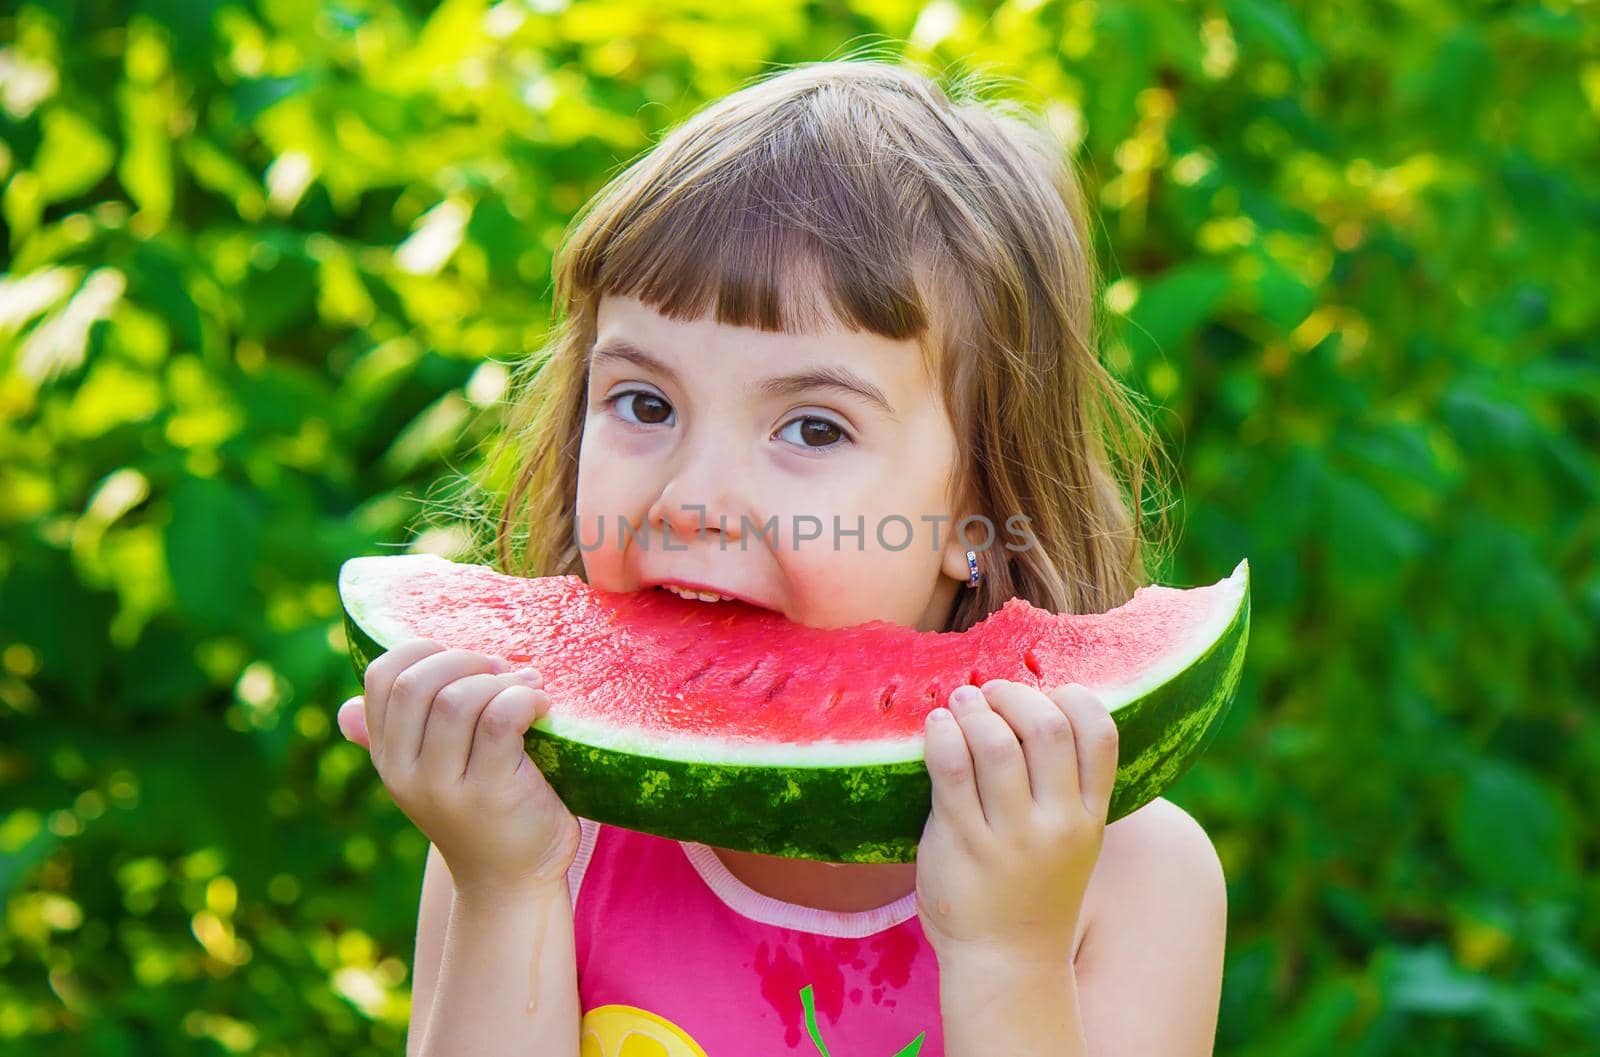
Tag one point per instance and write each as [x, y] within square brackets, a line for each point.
[145, 168]
[1457, 84]
[1402, 450]
[1313, 1022]
[1427, 980]
[213, 546]
[279, 291]
[74, 157]
[1172, 307]
[1285, 300]
[63, 622]
[1366, 537]
[1512, 831]
[158, 278]
[216, 170]
[1275, 27]
[255, 95]
[24, 843]
[190, 23]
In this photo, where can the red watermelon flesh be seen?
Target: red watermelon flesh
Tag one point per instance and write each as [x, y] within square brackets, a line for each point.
[649, 661]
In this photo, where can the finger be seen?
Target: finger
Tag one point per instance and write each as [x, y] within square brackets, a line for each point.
[498, 745]
[949, 763]
[379, 684]
[1002, 772]
[1047, 742]
[450, 720]
[1095, 732]
[412, 699]
[352, 718]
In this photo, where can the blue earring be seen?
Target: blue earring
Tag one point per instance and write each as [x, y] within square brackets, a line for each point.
[972, 569]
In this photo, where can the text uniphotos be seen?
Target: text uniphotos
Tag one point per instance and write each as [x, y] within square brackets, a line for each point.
[892, 532]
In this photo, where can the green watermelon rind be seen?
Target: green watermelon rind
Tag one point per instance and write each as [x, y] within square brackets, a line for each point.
[869, 813]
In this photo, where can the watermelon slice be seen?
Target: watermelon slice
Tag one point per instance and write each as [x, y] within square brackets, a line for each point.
[729, 725]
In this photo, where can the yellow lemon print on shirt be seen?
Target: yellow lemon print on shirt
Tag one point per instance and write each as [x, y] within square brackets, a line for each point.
[628, 1031]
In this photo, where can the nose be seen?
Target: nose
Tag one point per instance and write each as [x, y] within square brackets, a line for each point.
[701, 496]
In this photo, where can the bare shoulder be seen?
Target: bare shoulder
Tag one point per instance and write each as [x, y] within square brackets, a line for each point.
[1160, 834]
[1155, 863]
[1155, 923]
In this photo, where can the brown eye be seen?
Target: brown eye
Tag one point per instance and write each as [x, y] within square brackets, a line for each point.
[821, 431]
[818, 433]
[649, 408]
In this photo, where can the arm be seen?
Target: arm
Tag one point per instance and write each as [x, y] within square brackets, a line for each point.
[1150, 972]
[1034, 1009]
[1149, 978]
[496, 972]
[476, 977]
[433, 915]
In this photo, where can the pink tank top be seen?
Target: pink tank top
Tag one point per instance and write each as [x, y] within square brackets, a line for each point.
[679, 958]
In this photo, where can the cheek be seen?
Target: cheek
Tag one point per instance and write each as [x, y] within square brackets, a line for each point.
[607, 461]
[845, 587]
[605, 493]
[601, 505]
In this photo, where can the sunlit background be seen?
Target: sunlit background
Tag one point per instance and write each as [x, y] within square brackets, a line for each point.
[266, 266]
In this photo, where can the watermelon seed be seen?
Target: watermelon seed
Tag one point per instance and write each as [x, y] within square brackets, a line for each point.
[834, 698]
[772, 691]
[972, 677]
[886, 702]
[697, 673]
[746, 675]
[1031, 659]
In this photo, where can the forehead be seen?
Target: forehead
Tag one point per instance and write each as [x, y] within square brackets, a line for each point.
[894, 366]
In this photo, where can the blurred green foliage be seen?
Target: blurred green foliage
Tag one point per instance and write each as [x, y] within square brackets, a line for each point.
[266, 266]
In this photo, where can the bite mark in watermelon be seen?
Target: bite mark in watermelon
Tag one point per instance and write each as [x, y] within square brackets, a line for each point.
[726, 724]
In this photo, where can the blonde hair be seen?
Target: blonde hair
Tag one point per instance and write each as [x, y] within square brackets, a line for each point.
[862, 192]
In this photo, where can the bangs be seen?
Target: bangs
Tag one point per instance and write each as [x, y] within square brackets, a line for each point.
[795, 227]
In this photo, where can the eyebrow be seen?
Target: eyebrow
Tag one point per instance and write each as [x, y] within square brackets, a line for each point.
[837, 379]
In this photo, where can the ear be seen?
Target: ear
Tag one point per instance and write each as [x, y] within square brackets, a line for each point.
[953, 562]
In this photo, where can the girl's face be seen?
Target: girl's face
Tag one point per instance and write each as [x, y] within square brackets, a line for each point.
[759, 454]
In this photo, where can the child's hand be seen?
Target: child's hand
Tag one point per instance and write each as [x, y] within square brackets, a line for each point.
[1021, 787]
[445, 730]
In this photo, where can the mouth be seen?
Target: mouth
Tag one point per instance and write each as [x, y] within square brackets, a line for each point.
[707, 595]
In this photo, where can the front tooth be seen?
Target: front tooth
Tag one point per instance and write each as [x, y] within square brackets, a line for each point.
[703, 596]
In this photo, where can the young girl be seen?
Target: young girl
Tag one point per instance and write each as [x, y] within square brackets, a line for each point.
[839, 296]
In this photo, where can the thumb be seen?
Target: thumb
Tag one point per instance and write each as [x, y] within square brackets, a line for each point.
[353, 722]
